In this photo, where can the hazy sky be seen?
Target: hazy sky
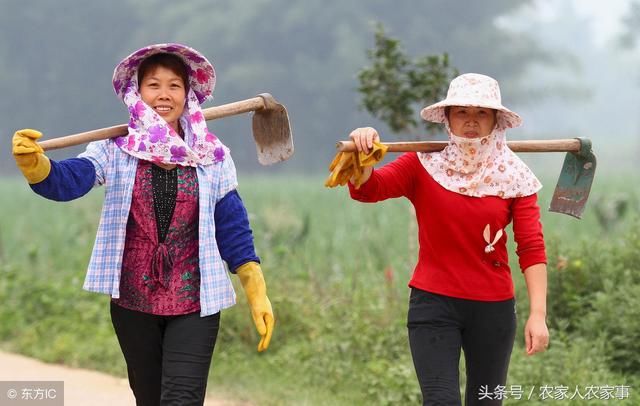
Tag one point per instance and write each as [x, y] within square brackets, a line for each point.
[604, 15]
[594, 89]
[608, 112]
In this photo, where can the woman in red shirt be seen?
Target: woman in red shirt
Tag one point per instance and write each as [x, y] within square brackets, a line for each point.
[462, 295]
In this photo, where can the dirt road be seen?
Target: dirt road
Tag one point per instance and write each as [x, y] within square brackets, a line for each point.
[81, 387]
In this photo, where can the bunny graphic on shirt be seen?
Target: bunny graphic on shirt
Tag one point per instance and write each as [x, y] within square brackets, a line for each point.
[487, 238]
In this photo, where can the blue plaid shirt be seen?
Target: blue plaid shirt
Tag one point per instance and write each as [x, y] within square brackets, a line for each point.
[116, 170]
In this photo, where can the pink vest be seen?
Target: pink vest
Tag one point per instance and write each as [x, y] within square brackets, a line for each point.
[161, 278]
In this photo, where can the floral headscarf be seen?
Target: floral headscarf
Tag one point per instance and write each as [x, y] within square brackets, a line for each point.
[150, 137]
[480, 167]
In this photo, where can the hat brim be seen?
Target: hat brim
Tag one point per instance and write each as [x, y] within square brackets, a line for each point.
[436, 112]
[202, 75]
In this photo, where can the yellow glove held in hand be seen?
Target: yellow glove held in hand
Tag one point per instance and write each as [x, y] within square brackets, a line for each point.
[349, 164]
[29, 156]
[342, 168]
[256, 290]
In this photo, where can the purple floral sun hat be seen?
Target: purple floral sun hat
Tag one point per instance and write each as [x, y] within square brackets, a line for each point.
[149, 136]
[202, 75]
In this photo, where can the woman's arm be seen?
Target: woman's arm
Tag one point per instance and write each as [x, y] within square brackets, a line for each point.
[233, 232]
[235, 243]
[536, 334]
[392, 180]
[527, 230]
[395, 179]
[60, 181]
[68, 179]
[72, 178]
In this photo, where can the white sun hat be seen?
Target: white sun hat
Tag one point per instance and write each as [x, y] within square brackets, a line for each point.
[473, 90]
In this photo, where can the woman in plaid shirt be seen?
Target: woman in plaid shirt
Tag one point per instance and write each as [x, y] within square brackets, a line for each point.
[170, 219]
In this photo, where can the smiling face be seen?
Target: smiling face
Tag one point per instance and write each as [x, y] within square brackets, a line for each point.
[471, 122]
[164, 91]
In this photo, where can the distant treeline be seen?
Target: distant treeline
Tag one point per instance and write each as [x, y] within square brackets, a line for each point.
[56, 59]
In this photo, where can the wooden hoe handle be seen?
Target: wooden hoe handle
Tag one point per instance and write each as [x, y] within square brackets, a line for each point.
[563, 145]
[225, 110]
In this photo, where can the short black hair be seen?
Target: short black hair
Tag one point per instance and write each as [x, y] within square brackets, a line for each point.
[170, 61]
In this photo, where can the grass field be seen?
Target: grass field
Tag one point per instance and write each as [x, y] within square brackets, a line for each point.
[336, 273]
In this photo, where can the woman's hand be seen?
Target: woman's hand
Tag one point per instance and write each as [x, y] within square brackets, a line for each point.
[29, 155]
[252, 280]
[536, 334]
[364, 138]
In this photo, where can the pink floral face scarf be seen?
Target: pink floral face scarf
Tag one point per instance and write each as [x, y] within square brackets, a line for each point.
[152, 139]
[480, 167]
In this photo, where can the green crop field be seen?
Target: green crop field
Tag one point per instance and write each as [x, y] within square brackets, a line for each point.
[337, 272]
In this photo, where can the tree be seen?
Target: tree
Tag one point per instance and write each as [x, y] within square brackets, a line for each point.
[394, 87]
[306, 53]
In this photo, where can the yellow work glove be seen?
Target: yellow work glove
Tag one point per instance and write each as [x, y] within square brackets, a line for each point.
[349, 164]
[29, 156]
[256, 290]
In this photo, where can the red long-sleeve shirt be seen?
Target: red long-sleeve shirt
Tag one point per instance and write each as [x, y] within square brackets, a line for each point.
[452, 260]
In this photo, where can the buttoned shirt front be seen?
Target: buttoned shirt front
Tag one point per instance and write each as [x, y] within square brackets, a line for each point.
[116, 170]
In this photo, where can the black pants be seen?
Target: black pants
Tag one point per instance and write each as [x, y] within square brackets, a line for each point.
[168, 357]
[440, 326]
